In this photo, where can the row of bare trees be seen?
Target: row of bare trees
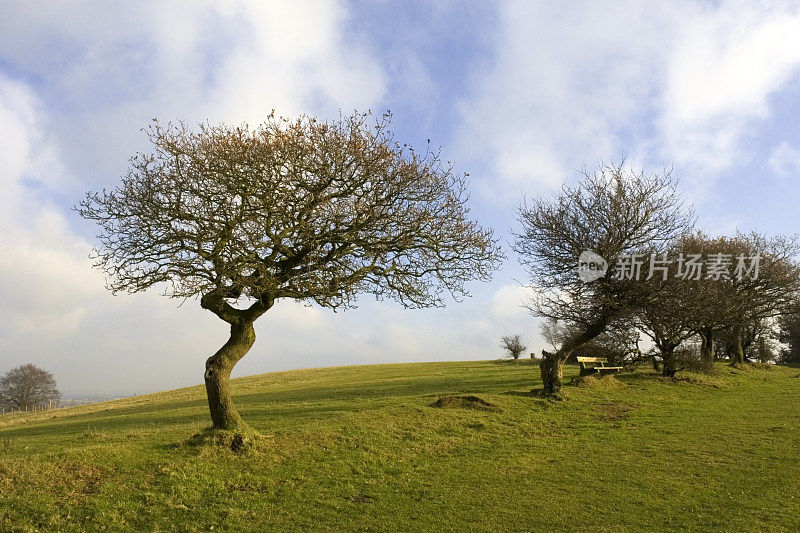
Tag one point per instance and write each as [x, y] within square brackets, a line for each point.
[730, 315]
[622, 214]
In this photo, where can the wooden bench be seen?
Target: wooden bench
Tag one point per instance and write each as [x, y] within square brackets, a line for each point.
[601, 367]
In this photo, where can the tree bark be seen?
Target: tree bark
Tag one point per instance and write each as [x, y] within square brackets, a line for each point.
[738, 350]
[707, 346]
[552, 370]
[218, 373]
[666, 350]
[669, 368]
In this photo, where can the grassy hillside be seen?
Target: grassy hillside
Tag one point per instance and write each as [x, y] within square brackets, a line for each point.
[362, 448]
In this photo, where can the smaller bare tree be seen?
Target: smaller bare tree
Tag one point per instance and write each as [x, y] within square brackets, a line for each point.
[612, 211]
[513, 346]
[27, 386]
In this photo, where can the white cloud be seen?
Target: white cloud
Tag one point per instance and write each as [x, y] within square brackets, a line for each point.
[564, 86]
[44, 276]
[293, 56]
[94, 74]
[785, 160]
[106, 70]
[728, 60]
[507, 302]
[661, 82]
[665, 83]
[726, 63]
[101, 74]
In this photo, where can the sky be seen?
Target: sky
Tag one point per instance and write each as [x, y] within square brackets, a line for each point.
[518, 94]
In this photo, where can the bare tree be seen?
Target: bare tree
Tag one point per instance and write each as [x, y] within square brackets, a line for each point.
[664, 321]
[620, 342]
[28, 386]
[765, 344]
[513, 345]
[755, 337]
[711, 306]
[307, 210]
[611, 211]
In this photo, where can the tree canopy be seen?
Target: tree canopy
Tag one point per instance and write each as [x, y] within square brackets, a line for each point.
[611, 211]
[304, 209]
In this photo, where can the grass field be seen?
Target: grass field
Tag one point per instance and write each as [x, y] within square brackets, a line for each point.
[363, 449]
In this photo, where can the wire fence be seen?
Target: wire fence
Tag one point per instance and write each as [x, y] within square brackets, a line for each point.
[31, 408]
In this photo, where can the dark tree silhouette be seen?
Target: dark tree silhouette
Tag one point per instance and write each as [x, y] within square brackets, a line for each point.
[307, 210]
[790, 336]
[28, 386]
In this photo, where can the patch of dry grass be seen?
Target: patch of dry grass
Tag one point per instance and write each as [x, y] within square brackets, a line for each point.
[594, 381]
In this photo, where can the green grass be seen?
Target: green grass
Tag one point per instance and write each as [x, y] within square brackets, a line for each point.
[362, 449]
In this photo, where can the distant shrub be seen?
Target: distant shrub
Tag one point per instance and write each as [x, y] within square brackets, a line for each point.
[513, 346]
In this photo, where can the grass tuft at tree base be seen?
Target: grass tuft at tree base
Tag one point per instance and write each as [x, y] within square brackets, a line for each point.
[239, 440]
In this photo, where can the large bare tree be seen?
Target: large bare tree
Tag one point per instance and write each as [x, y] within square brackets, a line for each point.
[611, 211]
[308, 210]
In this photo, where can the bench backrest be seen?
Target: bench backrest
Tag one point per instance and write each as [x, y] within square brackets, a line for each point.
[601, 360]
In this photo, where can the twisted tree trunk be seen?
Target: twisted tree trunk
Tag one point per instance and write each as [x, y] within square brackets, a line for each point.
[551, 368]
[656, 363]
[669, 367]
[218, 374]
[707, 346]
[737, 355]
